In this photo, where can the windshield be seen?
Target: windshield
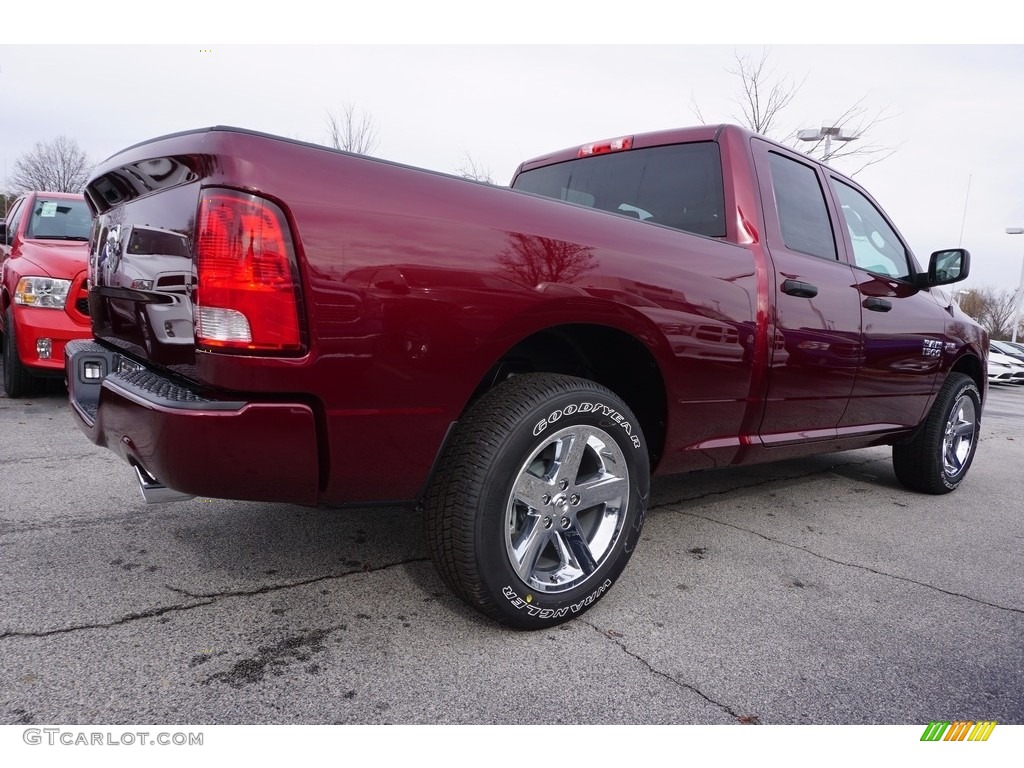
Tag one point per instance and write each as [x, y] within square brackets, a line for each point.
[60, 219]
[157, 242]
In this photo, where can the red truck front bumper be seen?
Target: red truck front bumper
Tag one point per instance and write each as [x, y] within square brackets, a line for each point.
[189, 443]
[54, 325]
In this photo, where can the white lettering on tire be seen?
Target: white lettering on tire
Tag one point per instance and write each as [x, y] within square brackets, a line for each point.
[553, 613]
[586, 407]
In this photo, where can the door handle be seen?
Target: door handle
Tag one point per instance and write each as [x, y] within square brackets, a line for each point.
[797, 288]
[876, 304]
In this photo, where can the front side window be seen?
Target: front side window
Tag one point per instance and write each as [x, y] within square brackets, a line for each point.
[800, 201]
[678, 185]
[59, 219]
[13, 219]
[876, 247]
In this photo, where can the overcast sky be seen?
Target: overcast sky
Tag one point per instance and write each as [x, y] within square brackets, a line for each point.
[954, 113]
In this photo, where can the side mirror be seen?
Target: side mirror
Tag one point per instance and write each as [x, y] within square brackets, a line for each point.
[949, 266]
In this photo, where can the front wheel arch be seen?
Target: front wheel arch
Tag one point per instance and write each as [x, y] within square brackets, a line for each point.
[937, 457]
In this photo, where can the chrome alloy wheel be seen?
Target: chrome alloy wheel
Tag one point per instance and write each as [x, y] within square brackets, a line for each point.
[566, 508]
[958, 439]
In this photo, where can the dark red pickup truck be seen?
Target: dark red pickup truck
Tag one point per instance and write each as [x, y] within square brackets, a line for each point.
[280, 321]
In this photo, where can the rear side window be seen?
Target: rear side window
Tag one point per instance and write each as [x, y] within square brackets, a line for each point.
[800, 201]
[679, 185]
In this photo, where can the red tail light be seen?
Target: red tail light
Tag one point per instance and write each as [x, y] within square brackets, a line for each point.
[248, 290]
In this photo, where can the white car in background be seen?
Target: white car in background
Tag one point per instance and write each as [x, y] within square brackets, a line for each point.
[1007, 348]
[1003, 369]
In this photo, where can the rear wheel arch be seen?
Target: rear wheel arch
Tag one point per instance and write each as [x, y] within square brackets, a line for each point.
[603, 354]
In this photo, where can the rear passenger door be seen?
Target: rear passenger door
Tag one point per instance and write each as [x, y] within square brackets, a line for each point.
[815, 314]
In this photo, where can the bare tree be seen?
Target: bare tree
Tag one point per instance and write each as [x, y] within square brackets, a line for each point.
[59, 165]
[764, 95]
[471, 169]
[531, 260]
[352, 130]
[993, 308]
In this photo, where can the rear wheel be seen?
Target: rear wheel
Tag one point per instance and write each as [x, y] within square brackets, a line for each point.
[937, 457]
[18, 381]
[539, 499]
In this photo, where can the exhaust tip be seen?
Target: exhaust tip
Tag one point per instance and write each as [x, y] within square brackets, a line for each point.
[155, 492]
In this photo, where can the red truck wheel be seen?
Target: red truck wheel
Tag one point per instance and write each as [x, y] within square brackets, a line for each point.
[539, 499]
[937, 457]
[18, 382]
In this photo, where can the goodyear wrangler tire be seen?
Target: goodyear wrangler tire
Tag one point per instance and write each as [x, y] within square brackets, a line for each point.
[539, 499]
[937, 457]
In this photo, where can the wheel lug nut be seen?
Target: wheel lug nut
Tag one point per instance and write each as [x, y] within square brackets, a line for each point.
[575, 498]
[565, 522]
[545, 499]
[563, 485]
[547, 522]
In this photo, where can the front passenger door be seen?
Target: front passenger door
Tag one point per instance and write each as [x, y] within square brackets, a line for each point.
[904, 326]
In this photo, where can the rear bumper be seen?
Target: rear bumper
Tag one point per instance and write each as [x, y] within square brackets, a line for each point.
[221, 448]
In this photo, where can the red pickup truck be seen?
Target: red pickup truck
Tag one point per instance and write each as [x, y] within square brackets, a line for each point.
[43, 298]
[280, 321]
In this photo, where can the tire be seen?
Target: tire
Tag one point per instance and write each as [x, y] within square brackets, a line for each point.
[936, 459]
[539, 499]
[18, 382]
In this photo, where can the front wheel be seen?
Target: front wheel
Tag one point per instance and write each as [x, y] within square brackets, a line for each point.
[937, 457]
[18, 381]
[539, 499]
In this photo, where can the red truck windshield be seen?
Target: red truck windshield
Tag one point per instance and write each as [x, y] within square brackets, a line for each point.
[678, 185]
[59, 220]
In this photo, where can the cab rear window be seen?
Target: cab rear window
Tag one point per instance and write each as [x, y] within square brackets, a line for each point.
[678, 185]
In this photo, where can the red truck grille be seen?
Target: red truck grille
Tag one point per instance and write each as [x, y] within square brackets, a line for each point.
[80, 300]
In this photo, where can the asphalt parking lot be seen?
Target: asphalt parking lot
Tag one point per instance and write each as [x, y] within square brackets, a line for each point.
[813, 591]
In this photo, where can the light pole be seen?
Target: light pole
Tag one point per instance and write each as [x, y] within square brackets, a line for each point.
[1019, 293]
[828, 133]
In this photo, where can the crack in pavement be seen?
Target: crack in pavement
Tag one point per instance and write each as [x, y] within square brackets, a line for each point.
[152, 613]
[204, 600]
[46, 457]
[291, 584]
[8, 528]
[858, 566]
[724, 707]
